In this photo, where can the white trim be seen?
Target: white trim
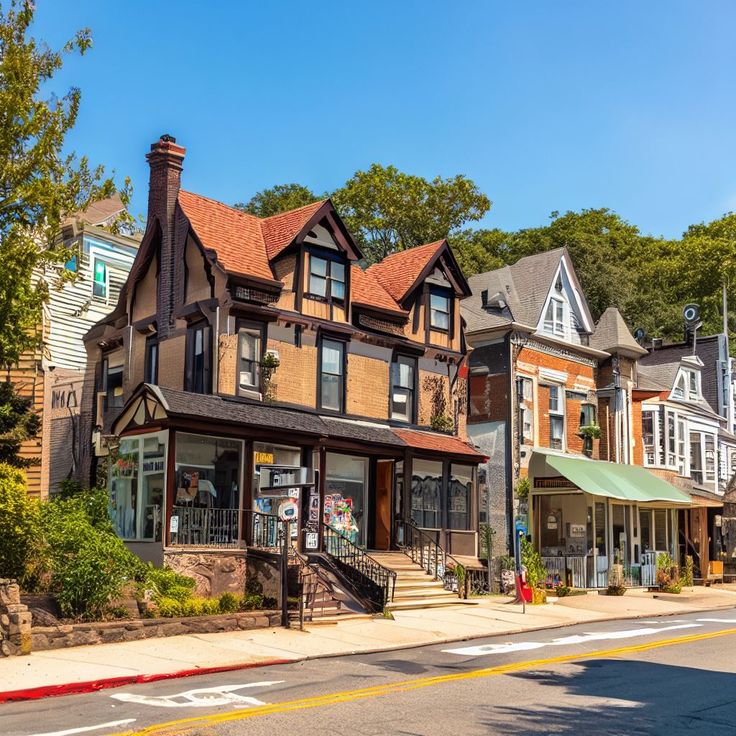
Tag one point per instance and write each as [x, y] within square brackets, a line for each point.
[550, 374]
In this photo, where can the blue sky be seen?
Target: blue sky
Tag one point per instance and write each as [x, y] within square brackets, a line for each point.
[546, 105]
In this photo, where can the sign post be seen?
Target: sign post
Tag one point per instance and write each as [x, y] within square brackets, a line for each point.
[519, 533]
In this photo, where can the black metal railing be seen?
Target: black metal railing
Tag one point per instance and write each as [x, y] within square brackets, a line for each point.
[202, 527]
[262, 530]
[373, 581]
[425, 551]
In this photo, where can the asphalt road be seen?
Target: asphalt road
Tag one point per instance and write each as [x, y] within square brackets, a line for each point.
[658, 676]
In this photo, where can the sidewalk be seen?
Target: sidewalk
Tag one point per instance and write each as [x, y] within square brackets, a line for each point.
[88, 668]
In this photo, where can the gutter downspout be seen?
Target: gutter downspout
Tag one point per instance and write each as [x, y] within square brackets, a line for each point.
[511, 469]
[216, 356]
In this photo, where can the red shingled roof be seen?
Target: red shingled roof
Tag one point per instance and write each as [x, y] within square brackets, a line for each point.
[398, 272]
[235, 236]
[280, 230]
[368, 292]
[438, 443]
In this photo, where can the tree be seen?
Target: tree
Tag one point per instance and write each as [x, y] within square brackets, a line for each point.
[39, 185]
[478, 251]
[387, 210]
[18, 422]
[281, 198]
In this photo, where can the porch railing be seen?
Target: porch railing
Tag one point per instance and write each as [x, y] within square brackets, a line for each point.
[262, 530]
[372, 580]
[201, 527]
[426, 552]
[557, 568]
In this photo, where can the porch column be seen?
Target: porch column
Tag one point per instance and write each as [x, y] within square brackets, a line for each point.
[170, 488]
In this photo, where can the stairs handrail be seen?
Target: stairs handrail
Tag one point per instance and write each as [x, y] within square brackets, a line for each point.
[427, 552]
[375, 582]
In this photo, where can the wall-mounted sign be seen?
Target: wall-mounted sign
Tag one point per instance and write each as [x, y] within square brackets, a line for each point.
[312, 540]
[551, 522]
[263, 458]
[174, 524]
[153, 465]
[577, 530]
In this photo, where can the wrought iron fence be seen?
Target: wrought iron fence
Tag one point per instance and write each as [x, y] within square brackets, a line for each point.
[202, 527]
[262, 530]
[372, 580]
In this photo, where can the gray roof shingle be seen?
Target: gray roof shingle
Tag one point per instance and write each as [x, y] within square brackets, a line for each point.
[612, 335]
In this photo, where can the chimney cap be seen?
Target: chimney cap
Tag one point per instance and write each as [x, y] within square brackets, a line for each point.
[168, 138]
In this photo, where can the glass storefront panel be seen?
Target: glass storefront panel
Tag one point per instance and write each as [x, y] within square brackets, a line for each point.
[136, 486]
[426, 493]
[459, 496]
[346, 483]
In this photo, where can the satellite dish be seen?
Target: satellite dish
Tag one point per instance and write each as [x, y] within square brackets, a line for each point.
[691, 313]
[640, 334]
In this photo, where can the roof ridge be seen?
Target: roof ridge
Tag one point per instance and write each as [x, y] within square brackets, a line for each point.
[236, 210]
[295, 209]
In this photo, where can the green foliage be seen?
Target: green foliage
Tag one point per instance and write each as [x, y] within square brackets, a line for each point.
[19, 523]
[522, 489]
[87, 564]
[591, 431]
[252, 601]
[441, 423]
[689, 574]
[163, 582]
[18, 422]
[278, 199]
[40, 184]
[562, 590]
[507, 563]
[536, 572]
[460, 575]
[169, 608]
[668, 574]
[229, 603]
[487, 532]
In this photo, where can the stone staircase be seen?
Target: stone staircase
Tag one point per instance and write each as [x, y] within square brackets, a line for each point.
[415, 589]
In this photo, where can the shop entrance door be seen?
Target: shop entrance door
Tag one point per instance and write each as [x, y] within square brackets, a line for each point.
[382, 512]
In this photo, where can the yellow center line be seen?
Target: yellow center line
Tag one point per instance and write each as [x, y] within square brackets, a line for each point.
[186, 725]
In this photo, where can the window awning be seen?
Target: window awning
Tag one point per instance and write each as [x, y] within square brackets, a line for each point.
[614, 480]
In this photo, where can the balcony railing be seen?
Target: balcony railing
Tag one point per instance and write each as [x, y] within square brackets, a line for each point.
[197, 527]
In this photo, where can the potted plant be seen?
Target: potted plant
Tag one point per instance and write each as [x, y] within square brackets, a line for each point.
[588, 433]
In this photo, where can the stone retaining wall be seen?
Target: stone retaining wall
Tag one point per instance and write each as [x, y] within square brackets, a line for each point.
[15, 621]
[73, 635]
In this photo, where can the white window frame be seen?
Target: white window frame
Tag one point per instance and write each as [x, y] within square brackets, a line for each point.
[655, 437]
[557, 412]
[556, 318]
[102, 297]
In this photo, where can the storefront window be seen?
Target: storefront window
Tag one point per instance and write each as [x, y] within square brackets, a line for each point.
[426, 492]
[136, 485]
[346, 482]
[207, 500]
[265, 455]
[459, 495]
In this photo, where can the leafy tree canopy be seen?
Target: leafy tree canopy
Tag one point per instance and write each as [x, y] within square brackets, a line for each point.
[281, 198]
[18, 422]
[39, 184]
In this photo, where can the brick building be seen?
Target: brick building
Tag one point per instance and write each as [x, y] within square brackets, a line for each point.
[551, 400]
[246, 355]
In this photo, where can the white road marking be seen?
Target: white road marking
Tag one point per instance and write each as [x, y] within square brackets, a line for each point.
[564, 641]
[87, 729]
[206, 697]
[717, 620]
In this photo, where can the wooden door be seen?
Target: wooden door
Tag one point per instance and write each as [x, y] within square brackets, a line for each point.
[384, 485]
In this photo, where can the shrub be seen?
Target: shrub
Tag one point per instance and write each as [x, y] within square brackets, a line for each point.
[522, 489]
[87, 564]
[19, 523]
[507, 563]
[688, 575]
[251, 601]
[229, 603]
[163, 582]
[536, 572]
[668, 574]
[210, 606]
[169, 608]
[562, 591]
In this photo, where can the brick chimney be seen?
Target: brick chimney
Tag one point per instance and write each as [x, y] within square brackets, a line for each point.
[165, 160]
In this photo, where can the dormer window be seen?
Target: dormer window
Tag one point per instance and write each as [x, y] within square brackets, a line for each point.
[439, 311]
[554, 318]
[687, 386]
[326, 278]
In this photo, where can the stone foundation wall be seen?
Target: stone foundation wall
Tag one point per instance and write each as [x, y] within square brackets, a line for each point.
[15, 621]
[107, 632]
[215, 572]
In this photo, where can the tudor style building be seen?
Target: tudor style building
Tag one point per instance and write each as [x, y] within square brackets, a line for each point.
[246, 355]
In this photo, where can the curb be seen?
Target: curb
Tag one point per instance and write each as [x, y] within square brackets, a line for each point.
[90, 686]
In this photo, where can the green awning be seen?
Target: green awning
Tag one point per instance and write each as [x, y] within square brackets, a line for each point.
[614, 480]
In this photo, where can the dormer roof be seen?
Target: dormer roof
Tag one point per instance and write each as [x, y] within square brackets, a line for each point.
[613, 336]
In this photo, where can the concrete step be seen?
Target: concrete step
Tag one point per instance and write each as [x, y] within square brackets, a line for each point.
[412, 594]
[420, 603]
[423, 582]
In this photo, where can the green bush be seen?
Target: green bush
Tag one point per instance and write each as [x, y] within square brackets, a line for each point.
[229, 603]
[252, 601]
[164, 582]
[169, 608]
[507, 563]
[19, 523]
[536, 572]
[87, 564]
